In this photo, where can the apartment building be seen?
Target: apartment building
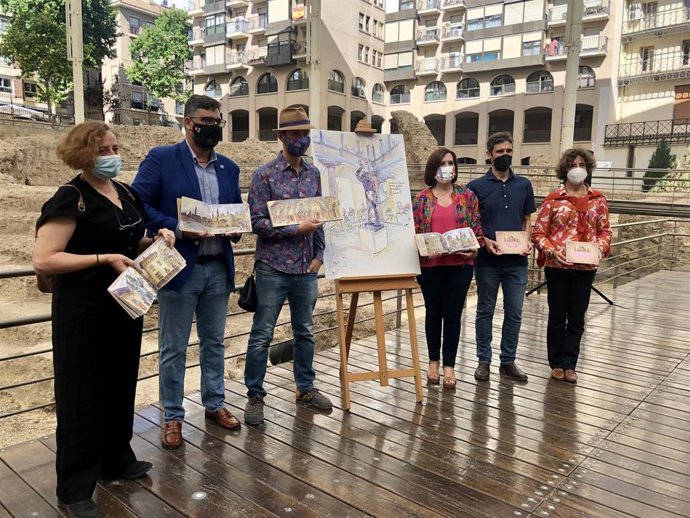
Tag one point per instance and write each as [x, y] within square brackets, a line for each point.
[653, 80]
[131, 103]
[257, 58]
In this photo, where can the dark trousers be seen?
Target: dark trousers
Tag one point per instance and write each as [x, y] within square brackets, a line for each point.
[96, 348]
[568, 297]
[444, 289]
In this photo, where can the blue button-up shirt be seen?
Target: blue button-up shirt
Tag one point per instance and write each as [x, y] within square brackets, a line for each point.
[502, 206]
[283, 248]
[210, 193]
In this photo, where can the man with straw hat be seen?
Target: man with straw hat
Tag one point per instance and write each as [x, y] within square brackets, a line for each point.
[286, 262]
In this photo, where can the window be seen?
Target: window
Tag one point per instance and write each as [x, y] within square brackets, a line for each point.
[366, 55]
[406, 4]
[400, 95]
[239, 87]
[378, 93]
[646, 59]
[138, 100]
[336, 83]
[539, 82]
[466, 160]
[361, 21]
[267, 84]
[531, 48]
[495, 20]
[4, 24]
[30, 90]
[358, 88]
[686, 52]
[213, 90]
[367, 24]
[216, 24]
[179, 108]
[379, 57]
[502, 85]
[468, 88]
[5, 85]
[435, 91]
[134, 25]
[298, 80]
[360, 53]
[585, 77]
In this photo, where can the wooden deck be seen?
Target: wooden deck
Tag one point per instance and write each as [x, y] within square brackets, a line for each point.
[616, 444]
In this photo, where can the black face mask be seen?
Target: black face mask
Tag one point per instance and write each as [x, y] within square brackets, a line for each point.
[503, 162]
[206, 136]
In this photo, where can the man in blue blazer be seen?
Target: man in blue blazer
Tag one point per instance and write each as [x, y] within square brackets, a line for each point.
[192, 169]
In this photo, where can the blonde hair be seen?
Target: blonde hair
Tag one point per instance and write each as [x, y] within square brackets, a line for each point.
[79, 148]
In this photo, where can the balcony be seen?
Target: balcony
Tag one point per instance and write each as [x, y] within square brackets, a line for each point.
[214, 34]
[258, 24]
[452, 63]
[428, 7]
[238, 60]
[640, 25]
[211, 7]
[451, 34]
[236, 3]
[594, 11]
[591, 46]
[659, 66]
[197, 9]
[452, 5]
[650, 133]
[399, 74]
[428, 37]
[427, 67]
[196, 66]
[216, 68]
[299, 50]
[259, 58]
[196, 36]
[280, 53]
[400, 98]
[238, 29]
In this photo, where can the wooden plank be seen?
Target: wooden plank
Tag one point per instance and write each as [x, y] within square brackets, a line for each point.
[18, 498]
[611, 447]
[4, 513]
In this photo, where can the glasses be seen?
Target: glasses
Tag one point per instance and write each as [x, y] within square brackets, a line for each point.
[210, 121]
[122, 226]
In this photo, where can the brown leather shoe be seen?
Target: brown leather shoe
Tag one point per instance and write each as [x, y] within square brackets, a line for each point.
[557, 374]
[510, 370]
[570, 376]
[171, 438]
[223, 418]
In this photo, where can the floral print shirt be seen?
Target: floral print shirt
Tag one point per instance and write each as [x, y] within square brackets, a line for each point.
[466, 213]
[283, 248]
[557, 222]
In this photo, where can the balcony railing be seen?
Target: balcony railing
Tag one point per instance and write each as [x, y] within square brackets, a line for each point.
[428, 36]
[592, 8]
[298, 84]
[400, 98]
[428, 5]
[452, 32]
[591, 45]
[238, 26]
[659, 64]
[427, 66]
[639, 22]
[267, 135]
[452, 62]
[196, 34]
[452, 4]
[647, 133]
[239, 58]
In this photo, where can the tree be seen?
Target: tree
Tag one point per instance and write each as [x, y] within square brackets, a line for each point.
[160, 53]
[35, 42]
[662, 158]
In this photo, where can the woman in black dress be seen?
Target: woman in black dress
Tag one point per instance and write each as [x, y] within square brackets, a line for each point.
[88, 233]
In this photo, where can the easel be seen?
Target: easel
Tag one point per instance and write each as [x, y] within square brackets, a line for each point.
[375, 285]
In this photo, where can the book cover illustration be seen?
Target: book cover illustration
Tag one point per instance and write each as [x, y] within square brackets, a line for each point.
[292, 211]
[515, 242]
[224, 218]
[582, 252]
[456, 240]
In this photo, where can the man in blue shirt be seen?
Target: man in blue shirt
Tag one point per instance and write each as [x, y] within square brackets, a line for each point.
[506, 202]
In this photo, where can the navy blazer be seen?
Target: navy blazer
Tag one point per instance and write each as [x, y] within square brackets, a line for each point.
[166, 174]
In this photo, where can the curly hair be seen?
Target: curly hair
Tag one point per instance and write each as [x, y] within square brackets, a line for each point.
[566, 162]
[79, 148]
[434, 162]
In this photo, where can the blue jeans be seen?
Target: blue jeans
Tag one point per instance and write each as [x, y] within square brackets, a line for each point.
[513, 279]
[272, 288]
[206, 293]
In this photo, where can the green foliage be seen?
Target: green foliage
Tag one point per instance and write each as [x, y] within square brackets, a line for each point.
[159, 54]
[662, 158]
[36, 41]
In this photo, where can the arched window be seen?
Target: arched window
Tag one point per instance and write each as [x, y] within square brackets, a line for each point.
[539, 82]
[267, 84]
[298, 80]
[213, 90]
[435, 91]
[239, 87]
[502, 85]
[378, 93]
[359, 88]
[585, 77]
[466, 160]
[336, 83]
[400, 94]
[467, 88]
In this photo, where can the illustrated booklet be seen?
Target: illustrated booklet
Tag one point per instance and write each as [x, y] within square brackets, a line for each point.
[456, 240]
[225, 218]
[292, 211]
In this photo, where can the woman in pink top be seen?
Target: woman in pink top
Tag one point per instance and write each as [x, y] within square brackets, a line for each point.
[445, 279]
[573, 212]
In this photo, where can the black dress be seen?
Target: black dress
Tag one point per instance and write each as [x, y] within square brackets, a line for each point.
[96, 345]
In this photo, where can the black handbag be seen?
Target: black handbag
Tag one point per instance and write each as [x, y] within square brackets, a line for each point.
[247, 293]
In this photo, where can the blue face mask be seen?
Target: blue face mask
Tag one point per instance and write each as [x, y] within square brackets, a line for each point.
[298, 146]
[107, 167]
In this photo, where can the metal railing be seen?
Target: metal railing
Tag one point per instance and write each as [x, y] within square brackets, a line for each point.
[427, 65]
[639, 21]
[427, 35]
[592, 8]
[657, 64]
[647, 132]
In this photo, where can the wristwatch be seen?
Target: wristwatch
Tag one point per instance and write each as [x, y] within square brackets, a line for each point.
[550, 253]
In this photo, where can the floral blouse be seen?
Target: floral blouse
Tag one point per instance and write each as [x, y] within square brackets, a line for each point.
[558, 222]
[466, 213]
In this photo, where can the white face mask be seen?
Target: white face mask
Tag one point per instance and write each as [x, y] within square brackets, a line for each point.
[577, 175]
[445, 174]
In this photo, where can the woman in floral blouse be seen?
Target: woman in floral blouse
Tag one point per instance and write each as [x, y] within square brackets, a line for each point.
[574, 212]
[445, 279]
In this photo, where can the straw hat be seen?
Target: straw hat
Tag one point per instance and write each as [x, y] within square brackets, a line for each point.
[293, 119]
[364, 127]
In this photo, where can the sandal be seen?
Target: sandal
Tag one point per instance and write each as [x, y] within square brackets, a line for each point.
[433, 379]
[449, 382]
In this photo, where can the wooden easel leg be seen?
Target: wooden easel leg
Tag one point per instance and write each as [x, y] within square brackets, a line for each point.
[381, 339]
[413, 345]
[354, 299]
[344, 346]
